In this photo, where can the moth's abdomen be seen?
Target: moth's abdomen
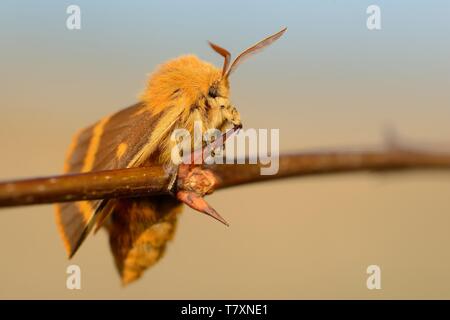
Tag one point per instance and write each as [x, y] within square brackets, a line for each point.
[139, 230]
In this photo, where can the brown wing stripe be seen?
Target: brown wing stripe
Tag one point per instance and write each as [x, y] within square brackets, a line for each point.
[68, 217]
[94, 145]
[61, 228]
[85, 207]
[77, 150]
[72, 218]
[70, 222]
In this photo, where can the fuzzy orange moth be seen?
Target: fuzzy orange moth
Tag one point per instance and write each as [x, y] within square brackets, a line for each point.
[180, 92]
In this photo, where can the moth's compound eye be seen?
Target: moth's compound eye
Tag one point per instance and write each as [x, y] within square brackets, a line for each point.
[213, 92]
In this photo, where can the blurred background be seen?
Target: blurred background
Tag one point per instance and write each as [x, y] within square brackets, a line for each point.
[328, 83]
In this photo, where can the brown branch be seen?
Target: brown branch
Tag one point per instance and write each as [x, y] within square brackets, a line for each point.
[305, 164]
[85, 186]
[146, 181]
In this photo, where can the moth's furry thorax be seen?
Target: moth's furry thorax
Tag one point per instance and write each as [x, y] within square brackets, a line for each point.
[182, 81]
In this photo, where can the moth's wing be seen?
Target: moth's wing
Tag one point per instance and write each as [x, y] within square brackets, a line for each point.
[111, 143]
[139, 230]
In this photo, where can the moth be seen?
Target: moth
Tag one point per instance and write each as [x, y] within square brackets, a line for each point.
[180, 92]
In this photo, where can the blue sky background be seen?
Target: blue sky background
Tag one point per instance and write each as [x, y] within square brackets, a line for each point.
[329, 82]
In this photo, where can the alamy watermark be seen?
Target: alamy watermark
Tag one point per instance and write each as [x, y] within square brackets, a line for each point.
[247, 146]
[73, 21]
[73, 281]
[374, 19]
[374, 278]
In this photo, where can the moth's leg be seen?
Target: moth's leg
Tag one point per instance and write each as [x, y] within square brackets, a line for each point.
[192, 185]
[198, 203]
[198, 155]
[173, 171]
[194, 182]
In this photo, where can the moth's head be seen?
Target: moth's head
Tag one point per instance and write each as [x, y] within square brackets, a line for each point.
[197, 90]
[220, 111]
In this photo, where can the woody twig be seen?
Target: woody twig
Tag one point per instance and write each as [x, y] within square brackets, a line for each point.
[149, 181]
